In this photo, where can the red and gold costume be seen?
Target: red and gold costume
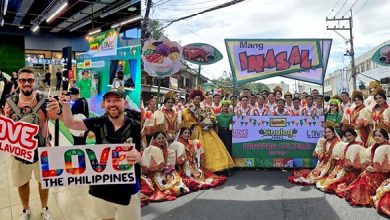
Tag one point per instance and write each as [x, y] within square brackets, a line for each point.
[324, 165]
[361, 190]
[340, 176]
[195, 176]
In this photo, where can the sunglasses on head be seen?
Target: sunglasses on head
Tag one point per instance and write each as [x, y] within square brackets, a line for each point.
[29, 80]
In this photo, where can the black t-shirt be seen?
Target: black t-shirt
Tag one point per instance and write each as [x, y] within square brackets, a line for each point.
[80, 106]
[119, 193]
[59, 76]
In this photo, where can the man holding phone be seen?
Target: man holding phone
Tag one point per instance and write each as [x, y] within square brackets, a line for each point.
[114, 127]
[30, 106]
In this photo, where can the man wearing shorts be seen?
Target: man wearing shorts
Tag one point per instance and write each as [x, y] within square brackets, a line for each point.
[21, 170]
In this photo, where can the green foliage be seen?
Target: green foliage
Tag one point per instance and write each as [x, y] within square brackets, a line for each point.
[153, 29]
[226, 81]
[362, 85]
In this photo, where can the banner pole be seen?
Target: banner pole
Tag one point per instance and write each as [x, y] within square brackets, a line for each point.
[158, 93]
[198, 78]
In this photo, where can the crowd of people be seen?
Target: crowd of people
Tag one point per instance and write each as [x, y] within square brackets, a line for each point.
[353, 156]
[117, 125]
[196, 130]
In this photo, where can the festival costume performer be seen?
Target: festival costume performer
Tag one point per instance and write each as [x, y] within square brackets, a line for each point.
[288, 97]
[271, 105]
[195, 176]
[325, 163]
[334, 117]
[309, 109]
[160, 180]
[224, 125]
[216, 104]
[378, 115]
[168, 118]
[261, 109]
[361, 190]
[352, 117]
[320, 105]
[281, 110]
[372, 88]
[342, 174]
[345, 102]
[278, 92]
[148, 122]
[216, 157]
[244, 109]
[296, 110]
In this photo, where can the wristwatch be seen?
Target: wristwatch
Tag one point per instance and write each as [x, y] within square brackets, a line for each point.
[59, 112]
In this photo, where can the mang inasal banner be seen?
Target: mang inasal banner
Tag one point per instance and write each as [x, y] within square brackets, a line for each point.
[255, 59]
[273, 141]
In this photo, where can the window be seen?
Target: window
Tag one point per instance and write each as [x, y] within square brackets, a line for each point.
[188, 83]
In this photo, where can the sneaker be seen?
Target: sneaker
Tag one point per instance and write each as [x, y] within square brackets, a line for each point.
[46, 215]
[25, 214]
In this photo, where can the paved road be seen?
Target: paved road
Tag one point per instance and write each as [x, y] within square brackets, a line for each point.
[263, 194]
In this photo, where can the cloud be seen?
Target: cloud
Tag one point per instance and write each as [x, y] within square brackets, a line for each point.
[276, 19]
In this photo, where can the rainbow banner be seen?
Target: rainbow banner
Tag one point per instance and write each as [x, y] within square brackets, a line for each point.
[85, 165]
[274, 141]
[255, 59]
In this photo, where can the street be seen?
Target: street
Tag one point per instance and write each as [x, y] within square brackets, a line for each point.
[262, 194]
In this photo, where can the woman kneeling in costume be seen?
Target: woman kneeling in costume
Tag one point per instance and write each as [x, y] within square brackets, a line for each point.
[325, 163]
[195, 176]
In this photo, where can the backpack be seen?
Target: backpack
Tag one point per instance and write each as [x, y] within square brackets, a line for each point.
[29, 115]
[104, 138]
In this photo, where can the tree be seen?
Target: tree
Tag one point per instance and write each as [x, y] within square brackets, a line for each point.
[362, 85]
[226, 81]
[153, 29]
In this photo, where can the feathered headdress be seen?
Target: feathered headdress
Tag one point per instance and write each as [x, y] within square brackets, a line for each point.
[278, 88]
[197, 92]
[170, 95]
[357, 94]
[287, 94]
[373, 84]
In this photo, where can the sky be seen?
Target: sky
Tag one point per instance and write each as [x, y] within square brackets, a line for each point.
[275, 19]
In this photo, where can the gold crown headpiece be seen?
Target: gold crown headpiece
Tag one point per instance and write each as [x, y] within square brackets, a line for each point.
[170, 95]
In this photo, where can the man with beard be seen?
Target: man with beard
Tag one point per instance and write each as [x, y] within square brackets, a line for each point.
[114, 127]
[21, 170]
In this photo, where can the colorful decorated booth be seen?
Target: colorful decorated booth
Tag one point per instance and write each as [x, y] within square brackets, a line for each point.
[104, 59]
[277, 141]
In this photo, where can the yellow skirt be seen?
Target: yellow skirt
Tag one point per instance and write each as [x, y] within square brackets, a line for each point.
[216, 157]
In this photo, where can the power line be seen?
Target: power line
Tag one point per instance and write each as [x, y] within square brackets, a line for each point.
[333, 8]
[224, 5]
[199, 3]
[162, 3]
[364, 4]
[341, 8]
[186, 9]
[351, 7]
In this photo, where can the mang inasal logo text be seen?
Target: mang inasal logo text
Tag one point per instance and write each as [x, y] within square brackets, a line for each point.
[278, 134]
[281, 61]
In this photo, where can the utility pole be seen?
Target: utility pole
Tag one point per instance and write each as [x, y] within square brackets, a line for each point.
[144, 30]
[351, 52]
